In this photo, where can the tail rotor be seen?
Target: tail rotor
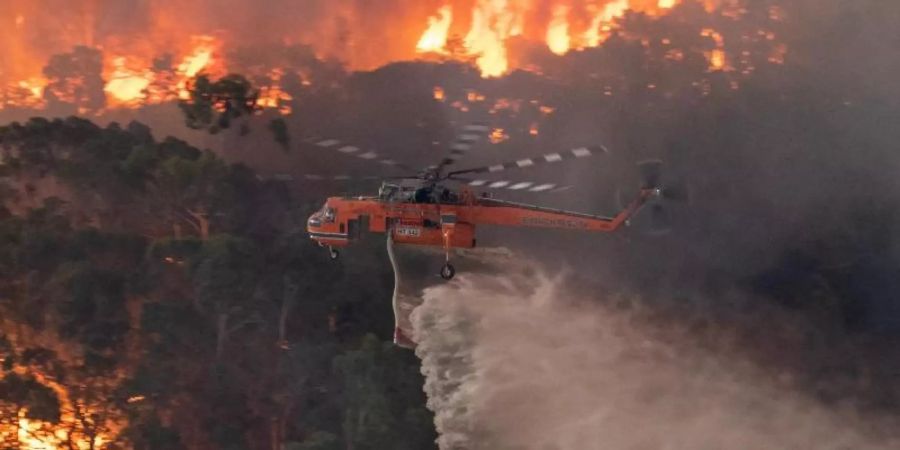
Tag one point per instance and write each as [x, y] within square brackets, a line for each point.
[659, 216]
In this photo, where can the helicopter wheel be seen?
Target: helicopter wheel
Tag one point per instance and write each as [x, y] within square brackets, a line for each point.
[447, 272]
[333, 253]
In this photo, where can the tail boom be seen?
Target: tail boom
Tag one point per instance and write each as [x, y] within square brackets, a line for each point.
[498, 212]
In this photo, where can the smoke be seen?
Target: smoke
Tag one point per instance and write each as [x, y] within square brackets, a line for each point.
[525, 361]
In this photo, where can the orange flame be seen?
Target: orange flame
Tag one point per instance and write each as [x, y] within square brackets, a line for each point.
[493, 22]
[435, 37]
[273, 96]
[666, 4]
[602, 24]
[200, 59]
[37, 435]
[558, 39]
[126, 86]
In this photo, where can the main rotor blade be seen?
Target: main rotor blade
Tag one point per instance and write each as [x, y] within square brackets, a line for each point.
[358, 152]
[469, 136]
[287, 178]
[522, 186]
[550, 158]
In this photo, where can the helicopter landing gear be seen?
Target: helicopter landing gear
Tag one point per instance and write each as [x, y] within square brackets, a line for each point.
[333, 253]
[448, 271]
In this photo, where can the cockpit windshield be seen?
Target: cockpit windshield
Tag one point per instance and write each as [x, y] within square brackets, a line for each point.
[324, 215]
[328, 214]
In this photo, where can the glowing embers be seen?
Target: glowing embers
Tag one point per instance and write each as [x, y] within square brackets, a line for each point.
[498, 135]
[778, 54]
[474, 96]
[273, 96]
[439, 94]
[435, 37]
[717, 58]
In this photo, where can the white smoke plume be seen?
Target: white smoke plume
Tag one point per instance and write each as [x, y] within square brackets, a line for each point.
[520, 362]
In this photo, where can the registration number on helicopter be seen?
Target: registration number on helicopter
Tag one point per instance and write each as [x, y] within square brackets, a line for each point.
[408, 231]
[547, 222]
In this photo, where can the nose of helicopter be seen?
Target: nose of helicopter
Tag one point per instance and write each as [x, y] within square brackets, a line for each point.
[314, 223]
[314, 227]
[324, 229]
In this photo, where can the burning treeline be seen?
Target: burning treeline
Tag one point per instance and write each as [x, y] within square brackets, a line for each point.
[486, 26]
[140, 53]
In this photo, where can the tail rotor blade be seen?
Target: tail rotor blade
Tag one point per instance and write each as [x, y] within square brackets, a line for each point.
[676, 193]
[661, 213]
[660, 220]
[651, 173]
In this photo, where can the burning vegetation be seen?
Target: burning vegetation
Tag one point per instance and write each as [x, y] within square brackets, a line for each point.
[79, 58]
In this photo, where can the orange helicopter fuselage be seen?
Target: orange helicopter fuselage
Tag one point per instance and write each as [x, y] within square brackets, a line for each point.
[451, 225]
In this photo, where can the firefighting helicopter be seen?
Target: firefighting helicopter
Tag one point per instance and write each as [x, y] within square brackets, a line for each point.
[440, 207]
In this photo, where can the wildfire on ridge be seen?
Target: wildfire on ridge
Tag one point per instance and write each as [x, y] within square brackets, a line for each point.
[494, 22]
[132, 81]
[158, 67]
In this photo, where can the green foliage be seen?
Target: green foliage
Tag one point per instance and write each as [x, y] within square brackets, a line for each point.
[93, 306]
[207, 309]
[382, 396]
[225, 272]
